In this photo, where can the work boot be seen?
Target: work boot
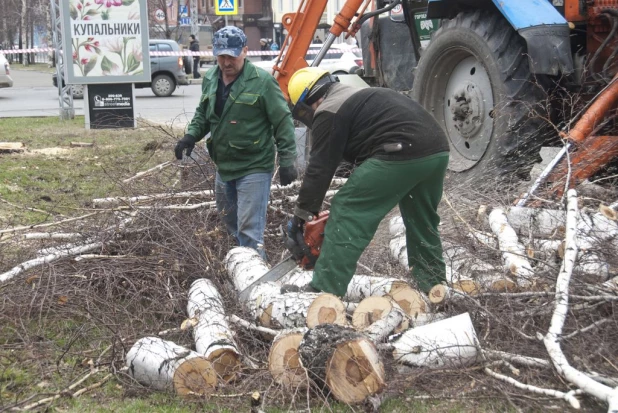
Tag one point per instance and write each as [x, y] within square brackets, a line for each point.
[291, 288]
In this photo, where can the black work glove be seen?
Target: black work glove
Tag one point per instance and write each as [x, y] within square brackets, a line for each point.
[295, 242]
[188, 143]
[287, 174]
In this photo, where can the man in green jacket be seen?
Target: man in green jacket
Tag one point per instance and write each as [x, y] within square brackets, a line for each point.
[244, 111]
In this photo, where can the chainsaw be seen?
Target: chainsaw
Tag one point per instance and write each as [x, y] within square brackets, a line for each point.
[313, 236]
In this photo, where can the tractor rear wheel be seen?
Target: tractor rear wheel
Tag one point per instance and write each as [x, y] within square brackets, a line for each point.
[475, 80]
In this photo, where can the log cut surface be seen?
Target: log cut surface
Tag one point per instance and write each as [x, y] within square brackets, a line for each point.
[326, 309]
[344, 360]
[164, 365]
[284, 360]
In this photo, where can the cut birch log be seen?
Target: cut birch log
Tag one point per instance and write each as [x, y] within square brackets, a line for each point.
[344, 360]
[396, 226]
[244, 265]
[284, 361]
[608, 212]
[362, 286]
[326, 309]
[378, 317]
[399, 251]
[410, 300]
[540, 223]
[441, 294]
[166, 366]
[451, 342]
[266, 304]
[612, 284]
[545, 249]
[552, 338]
[214, 338]
[272, 309]
[513, 253]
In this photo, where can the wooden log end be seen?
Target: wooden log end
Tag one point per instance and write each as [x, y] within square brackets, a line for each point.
[355, 372]
[195, 376]
[265, 317]
[326, 309]
[410, 300]
[284, 361]
[502, 285]
[468, 287]
[608, 213]
[372, 309]
[227, 364]
[437, 294]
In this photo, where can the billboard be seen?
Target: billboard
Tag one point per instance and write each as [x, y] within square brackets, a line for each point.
[105, 41]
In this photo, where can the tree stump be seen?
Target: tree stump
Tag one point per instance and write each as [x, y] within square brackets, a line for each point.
[343, 360]
[164, 365]
[284, 361]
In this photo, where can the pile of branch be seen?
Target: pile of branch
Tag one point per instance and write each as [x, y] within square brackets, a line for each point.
[316, 341]
[341, 345]
[576, 238]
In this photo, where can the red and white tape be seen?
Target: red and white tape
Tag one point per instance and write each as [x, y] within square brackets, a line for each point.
[180, 53]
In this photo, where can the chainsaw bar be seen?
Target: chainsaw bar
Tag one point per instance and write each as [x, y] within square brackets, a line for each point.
[274, 274]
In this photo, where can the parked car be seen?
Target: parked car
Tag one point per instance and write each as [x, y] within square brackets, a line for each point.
[167, 71]
[340, 59]
[5, 72]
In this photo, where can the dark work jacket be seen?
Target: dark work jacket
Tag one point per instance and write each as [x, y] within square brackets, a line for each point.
[194, 46]
[354, 124]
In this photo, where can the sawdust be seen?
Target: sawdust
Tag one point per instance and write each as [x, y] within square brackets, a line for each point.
[49, 151]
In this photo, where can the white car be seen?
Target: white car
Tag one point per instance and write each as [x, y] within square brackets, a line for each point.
[5, 72]
[340, 59]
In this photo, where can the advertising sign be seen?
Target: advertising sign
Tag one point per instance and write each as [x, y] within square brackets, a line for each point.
[110, 106]
[424, 27]
[105, 41]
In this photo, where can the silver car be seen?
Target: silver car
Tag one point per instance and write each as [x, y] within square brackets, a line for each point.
[5, 72]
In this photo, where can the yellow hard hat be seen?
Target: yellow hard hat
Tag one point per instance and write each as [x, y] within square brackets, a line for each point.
[302, 81]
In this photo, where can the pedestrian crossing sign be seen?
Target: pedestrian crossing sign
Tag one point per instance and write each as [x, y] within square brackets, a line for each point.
[226, 7]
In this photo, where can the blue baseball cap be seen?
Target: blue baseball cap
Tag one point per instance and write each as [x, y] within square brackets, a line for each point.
[229, 41]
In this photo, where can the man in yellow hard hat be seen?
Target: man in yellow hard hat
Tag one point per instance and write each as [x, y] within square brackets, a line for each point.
[401, 154]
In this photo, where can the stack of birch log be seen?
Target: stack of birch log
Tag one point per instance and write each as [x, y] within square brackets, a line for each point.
[318, 338]
[339, 345]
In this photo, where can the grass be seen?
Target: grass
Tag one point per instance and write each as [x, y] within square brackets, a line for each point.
[55, 177]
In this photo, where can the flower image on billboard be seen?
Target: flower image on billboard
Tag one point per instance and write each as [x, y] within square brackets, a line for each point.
[106, 40]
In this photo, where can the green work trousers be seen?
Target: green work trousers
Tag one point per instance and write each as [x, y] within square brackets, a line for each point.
[371, 192]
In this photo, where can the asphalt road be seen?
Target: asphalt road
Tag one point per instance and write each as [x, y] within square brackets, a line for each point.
[33, 94]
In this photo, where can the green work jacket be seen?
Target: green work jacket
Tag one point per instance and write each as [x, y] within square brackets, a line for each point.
[255, 120]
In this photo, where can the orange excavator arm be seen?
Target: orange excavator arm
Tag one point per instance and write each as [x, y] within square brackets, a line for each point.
[301, 27]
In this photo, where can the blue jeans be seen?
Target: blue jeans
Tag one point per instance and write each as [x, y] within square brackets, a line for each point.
[242, 205]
